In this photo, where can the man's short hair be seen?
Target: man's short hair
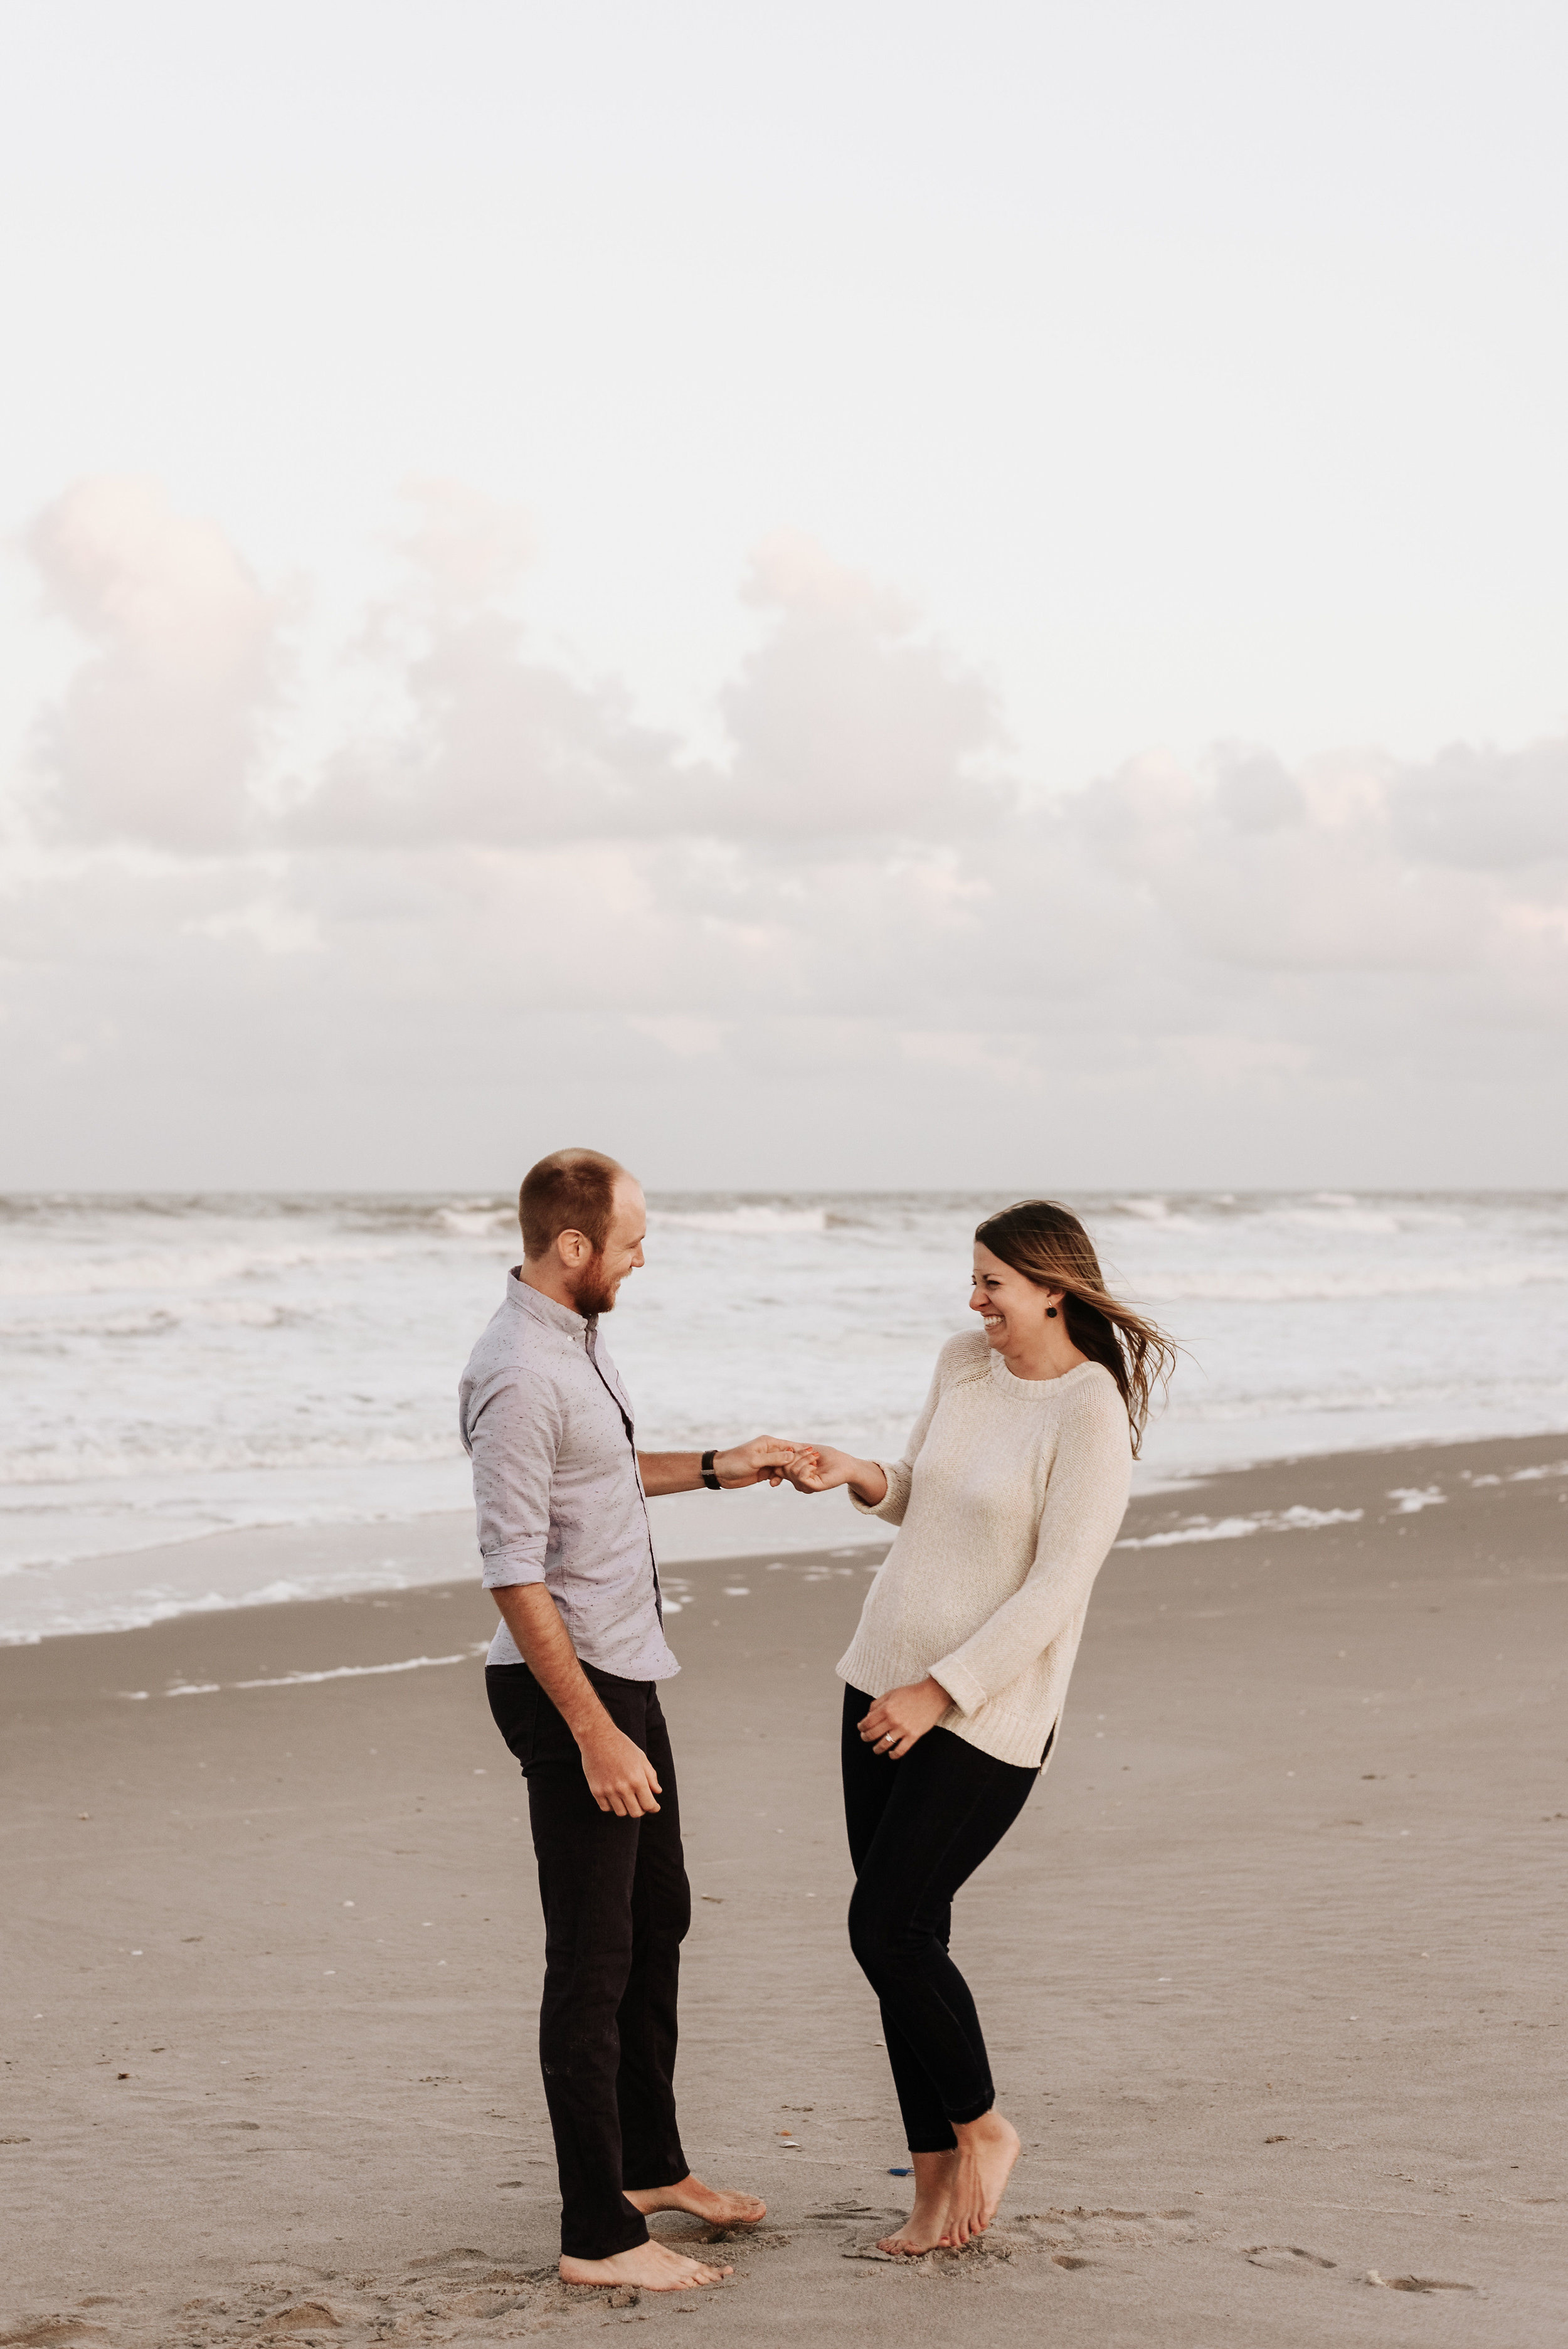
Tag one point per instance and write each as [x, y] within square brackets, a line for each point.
[569, 1191]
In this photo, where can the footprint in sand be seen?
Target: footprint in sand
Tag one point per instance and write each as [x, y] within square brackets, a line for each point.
[42, 2332]
[1286, 2259]
[1413, 2283]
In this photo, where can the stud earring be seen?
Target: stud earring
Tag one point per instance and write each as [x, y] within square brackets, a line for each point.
[1050, 1312]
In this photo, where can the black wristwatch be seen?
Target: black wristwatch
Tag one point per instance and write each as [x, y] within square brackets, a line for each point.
[708, 1478]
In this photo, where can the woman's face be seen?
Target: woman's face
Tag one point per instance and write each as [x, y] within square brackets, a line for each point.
[1012, 1308]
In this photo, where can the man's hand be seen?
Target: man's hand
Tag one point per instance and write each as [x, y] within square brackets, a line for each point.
[763, 1461]
[901, 1718]
[621, 1778]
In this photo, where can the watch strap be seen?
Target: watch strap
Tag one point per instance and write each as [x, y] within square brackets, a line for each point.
[708, 1478]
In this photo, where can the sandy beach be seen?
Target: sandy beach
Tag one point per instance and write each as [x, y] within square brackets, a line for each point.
[1272, 1966]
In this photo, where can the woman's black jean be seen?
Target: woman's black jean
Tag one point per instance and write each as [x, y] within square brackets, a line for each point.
[918, 1829]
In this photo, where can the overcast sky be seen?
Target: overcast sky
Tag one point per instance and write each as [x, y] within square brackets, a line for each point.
[812, 595]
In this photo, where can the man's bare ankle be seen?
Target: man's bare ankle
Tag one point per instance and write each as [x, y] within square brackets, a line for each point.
[647, 2267]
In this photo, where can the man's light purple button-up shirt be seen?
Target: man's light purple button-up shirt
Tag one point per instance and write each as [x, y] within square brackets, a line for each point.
[548, 1426]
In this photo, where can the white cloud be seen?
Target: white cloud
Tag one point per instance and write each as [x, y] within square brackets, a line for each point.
[981, 1055]
[1354, 864]
[156, 736]
[480, 738]
[1485, 809]
[847, 718]
[849, 950]
[465, 546]
[844, 720]
[687, 1038]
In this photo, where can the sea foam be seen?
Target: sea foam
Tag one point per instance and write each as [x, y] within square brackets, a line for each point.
[177, 1367]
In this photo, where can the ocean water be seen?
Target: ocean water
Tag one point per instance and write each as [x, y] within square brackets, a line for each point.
[174, 1367]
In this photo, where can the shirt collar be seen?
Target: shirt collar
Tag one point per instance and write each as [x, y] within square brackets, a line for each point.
[533, 1301]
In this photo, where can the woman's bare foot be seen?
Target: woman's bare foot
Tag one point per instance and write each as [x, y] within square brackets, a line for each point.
[926, 2226]
[714, 2203]
[648, 2267]
[987, 2148]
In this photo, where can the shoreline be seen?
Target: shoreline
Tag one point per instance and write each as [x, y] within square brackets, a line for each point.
[249, 1568]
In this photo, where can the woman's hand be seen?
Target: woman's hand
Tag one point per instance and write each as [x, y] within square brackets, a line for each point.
[901, 1718]
[821, 1469]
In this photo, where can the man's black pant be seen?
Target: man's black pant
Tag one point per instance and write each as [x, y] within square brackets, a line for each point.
[616, 1909]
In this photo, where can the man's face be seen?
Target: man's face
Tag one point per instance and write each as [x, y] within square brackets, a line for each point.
[599, 1283]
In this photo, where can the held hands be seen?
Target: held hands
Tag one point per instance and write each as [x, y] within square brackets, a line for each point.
[817, 1468]
[621, 1778]
[901, 1718]
[773, 1460]
[765, 1460]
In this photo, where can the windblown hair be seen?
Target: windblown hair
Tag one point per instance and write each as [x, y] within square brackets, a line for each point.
[569, 1191]
[1048, 1246]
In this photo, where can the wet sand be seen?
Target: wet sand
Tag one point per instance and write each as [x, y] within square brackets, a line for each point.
[1271, 1967]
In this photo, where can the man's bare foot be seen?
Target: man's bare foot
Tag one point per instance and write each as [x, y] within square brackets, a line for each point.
[987, 2148]
[714, 2203]
[926, 2224]
[648, 2267]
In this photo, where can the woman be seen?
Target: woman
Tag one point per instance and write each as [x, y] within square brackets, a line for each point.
[1009, 1494]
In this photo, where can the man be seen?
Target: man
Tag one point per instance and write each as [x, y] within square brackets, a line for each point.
[572, 1676]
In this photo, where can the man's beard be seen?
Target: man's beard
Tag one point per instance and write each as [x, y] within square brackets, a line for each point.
[593, 1294]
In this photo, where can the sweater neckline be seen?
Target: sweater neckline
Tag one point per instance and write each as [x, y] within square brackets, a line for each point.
[1037, 1389]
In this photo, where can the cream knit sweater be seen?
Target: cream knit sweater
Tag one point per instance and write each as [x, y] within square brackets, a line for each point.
[1009, 1494]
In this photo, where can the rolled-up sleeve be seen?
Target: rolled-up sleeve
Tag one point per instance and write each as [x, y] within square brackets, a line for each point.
[511, 1426]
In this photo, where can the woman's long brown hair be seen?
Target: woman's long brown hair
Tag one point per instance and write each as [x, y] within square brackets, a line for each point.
[1048, 1246]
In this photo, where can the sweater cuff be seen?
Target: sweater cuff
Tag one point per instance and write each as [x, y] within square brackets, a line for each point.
[960, 1682]
[872, 1508]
